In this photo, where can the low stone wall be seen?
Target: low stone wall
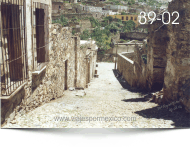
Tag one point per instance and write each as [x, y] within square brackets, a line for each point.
[125, 67]
[69, 16]
[122, 48]
[133, 69]
[133, 36]
[106, 58]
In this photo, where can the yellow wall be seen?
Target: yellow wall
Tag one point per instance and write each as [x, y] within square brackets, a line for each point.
[124, 18]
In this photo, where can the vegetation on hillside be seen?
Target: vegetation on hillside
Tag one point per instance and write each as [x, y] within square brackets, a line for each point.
[62, 20]
[105, 30]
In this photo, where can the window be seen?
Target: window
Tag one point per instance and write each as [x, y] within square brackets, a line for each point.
[122, 18]
[131, 18]
[135, 18]
[59, 7]
[41, 35]
[13, 58]
[126, 17]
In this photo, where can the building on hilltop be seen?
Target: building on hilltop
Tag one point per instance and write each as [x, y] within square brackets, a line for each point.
[57, 6]
[127, 18]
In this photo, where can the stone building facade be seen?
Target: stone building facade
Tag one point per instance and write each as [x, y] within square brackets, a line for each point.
[177, 73]
[168, 58]
[156, 54]
[57, 6]
[53, 63]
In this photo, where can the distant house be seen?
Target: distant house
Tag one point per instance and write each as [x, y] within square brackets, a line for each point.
[127, 18]
[57, 6]
[116, 8]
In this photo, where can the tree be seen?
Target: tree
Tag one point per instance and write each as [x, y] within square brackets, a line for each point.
[131, 2]
[94, 22]
[74, 19]
[123, 13]
[85, 35]
[63, 21]
[129, 25]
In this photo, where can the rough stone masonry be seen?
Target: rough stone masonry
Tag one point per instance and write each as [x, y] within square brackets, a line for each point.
[177, 72]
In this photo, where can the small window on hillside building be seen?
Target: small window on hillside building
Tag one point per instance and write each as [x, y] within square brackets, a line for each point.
[122, 18]
[126, 17]
[59, 7]
[131, 18]
[135, 18]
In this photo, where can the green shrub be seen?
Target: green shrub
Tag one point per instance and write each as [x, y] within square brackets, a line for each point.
[85, 35]
[94, 22]
[123, 13]
[73, 32]
[62, 20]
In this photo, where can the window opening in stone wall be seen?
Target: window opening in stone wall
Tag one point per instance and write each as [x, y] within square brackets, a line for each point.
[13, 45]
[126, 17]
[122, 18]
[131, 18]
[40, 37]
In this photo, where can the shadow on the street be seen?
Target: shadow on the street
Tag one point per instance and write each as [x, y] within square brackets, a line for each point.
[126, 86]
[178, 116]
[135, 100]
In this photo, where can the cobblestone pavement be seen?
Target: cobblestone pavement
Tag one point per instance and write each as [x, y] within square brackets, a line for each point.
[105, 97]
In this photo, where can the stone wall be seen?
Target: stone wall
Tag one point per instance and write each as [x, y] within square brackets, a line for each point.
[133, 69]
[125, 66]
[69, 16]
[21, 98]
[156, 54]
[133, 36]
[57, 6]
[177, 73]
[85, 24]
[51, 82]
[96, 15]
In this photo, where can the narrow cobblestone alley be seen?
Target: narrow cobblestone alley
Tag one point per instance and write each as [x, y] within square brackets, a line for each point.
[105, 97]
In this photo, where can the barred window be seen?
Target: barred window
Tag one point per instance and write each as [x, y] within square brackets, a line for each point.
[41, 35]
[13, 58]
